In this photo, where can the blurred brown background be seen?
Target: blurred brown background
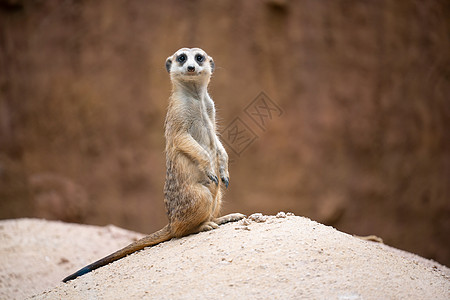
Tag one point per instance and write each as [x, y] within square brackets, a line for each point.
[363, 142]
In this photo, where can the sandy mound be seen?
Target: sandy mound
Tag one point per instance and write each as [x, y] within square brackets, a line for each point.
[36, 254]
[289, 257]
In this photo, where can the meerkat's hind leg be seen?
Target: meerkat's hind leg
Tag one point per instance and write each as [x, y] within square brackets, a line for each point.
[207, 226]
[229, 218]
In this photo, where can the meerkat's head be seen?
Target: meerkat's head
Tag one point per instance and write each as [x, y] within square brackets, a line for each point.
[190, 64]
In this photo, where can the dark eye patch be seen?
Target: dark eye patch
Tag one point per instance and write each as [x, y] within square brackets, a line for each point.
[199, 59]
[182, 58]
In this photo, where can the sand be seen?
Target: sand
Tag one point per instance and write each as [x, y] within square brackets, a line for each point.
[266, 257]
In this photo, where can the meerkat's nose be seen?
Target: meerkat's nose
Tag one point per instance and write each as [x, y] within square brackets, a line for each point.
[191, 68]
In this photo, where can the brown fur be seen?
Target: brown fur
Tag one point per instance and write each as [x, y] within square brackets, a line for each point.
[195, 159]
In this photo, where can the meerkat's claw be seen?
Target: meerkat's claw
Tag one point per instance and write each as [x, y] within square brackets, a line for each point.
[225, 181]
[213, 178]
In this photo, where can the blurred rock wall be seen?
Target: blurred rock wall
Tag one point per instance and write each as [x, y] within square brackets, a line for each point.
[352, 128]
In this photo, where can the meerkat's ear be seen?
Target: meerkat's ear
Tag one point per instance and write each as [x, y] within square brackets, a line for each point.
[168, 64]
[211, 62]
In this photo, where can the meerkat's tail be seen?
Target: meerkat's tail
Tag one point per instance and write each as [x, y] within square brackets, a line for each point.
[150, 240]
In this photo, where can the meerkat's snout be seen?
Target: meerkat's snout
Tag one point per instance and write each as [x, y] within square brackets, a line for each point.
[191, 69]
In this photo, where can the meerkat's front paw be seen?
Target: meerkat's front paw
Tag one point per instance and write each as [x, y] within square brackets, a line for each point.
[212, 177]
[225, 177]
[225, 181]
[211, 174]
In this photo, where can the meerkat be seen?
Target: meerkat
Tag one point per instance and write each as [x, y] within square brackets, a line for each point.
[196, 161]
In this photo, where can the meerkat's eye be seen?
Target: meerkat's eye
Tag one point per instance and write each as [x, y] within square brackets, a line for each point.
[199, 58]
[181, 58]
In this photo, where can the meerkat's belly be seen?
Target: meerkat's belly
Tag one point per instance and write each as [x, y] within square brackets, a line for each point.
[202, 132]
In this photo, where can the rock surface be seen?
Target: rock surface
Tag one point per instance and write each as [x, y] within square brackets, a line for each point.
[283, 257]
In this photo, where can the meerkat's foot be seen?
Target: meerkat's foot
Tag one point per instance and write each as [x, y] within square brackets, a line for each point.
[207, 226]
[372, 238]
[229, 218]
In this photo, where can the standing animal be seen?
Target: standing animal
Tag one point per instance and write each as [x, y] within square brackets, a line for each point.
[196, 161]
